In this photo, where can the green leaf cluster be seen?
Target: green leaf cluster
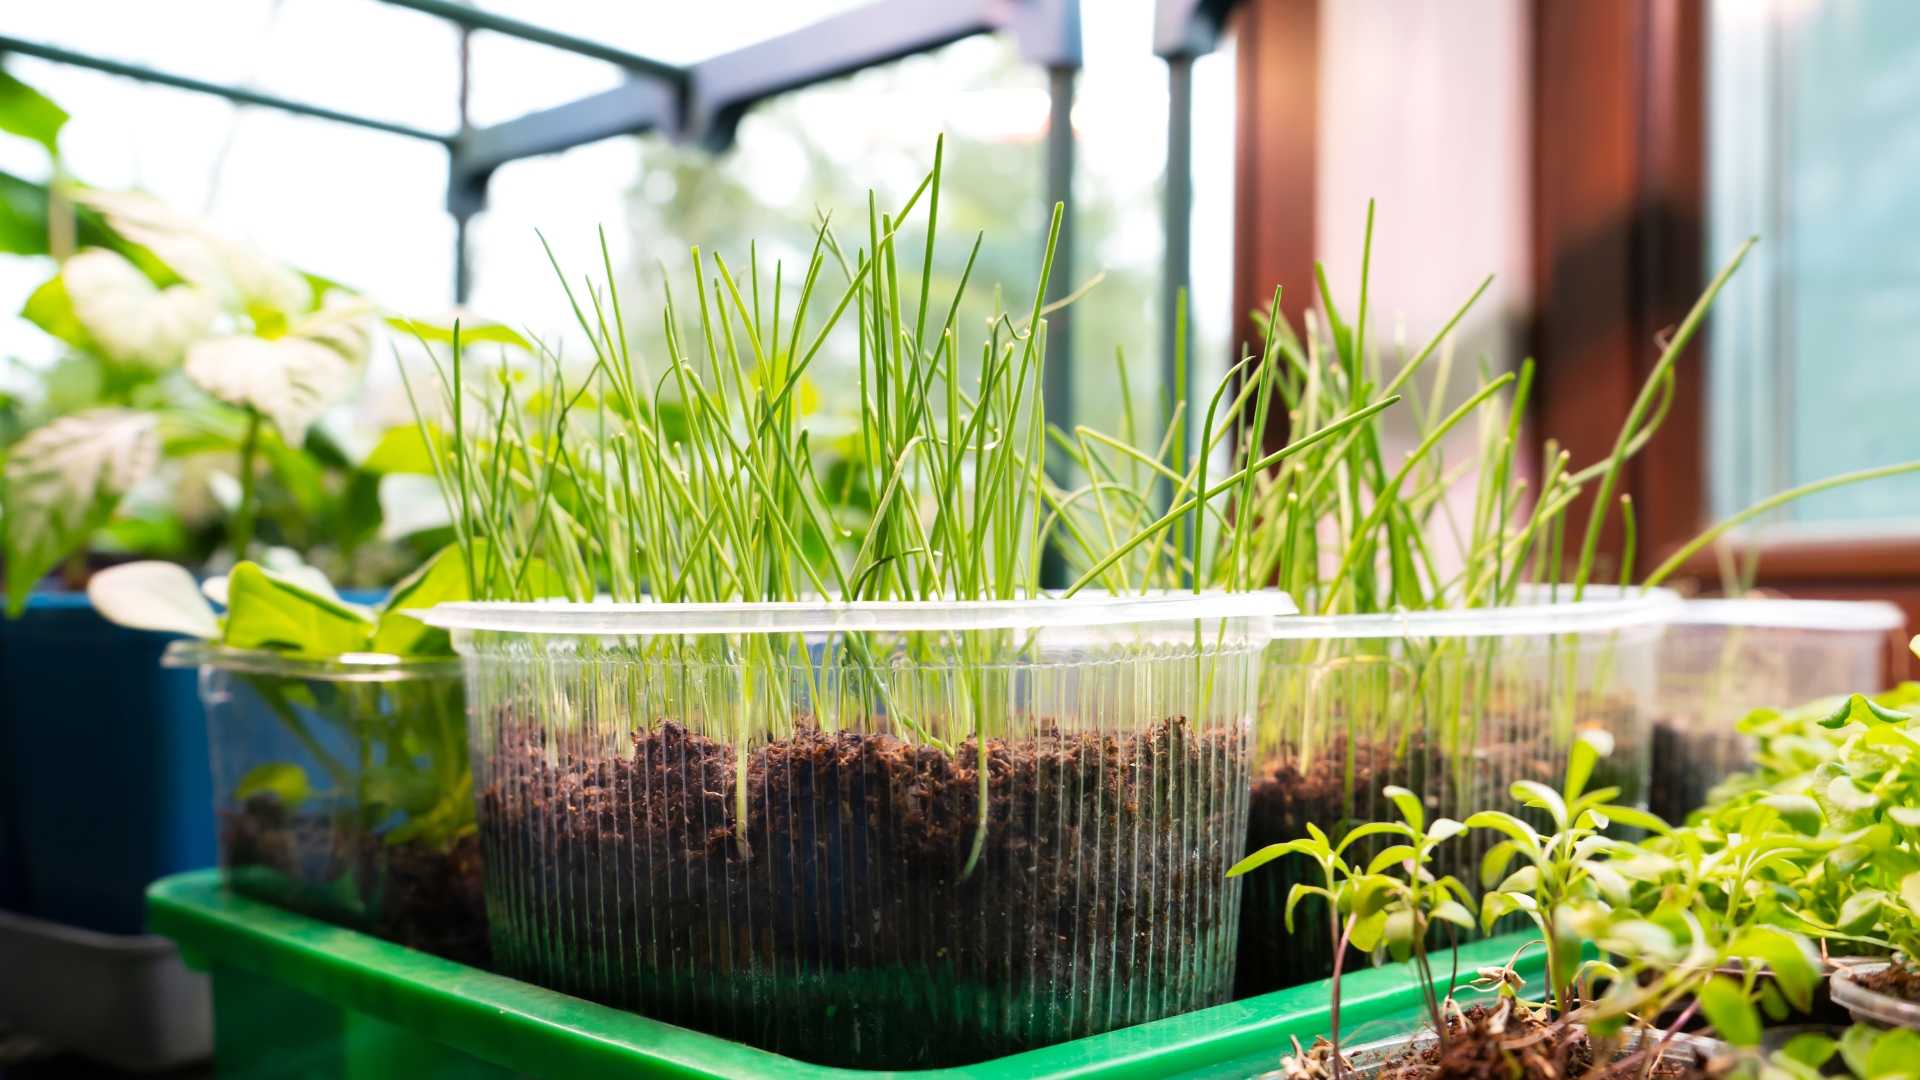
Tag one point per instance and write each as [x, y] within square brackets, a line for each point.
[1833, 803]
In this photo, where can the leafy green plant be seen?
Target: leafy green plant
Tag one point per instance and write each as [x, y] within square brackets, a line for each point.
[1376, 908]
[180, 420]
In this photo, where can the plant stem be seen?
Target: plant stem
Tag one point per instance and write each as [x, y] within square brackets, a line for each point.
[1333, 1019]
[240, 534]
[1660, 573]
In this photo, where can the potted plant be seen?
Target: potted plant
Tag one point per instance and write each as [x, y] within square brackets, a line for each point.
[1452, 683]
[829, 773]
[339, 743]
[1659, 946]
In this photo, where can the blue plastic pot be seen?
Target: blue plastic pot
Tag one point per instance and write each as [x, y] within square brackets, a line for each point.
[104, 781]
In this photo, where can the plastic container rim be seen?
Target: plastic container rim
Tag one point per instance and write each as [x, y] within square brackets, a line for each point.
[1871, 1004]
[560, 617]
[1779, 614]
[1605, 609]
[341, 667]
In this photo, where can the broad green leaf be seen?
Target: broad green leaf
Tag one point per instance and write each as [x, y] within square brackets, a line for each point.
[1524, 880]
[1849, 798]
[1639, 819]
[1646, 938]
[1860, 910]
[1391, 856]
[1610, 883]
[1588, 748]
[1772, 1004]
[1368, 931]
[1896, 1052]
[1910, 892]
[50, 309]
[1408, 804]
[1496, 861]
[1373, 828]
[283, 778]
[1252, 862]
[288, 380]
[1507, 823]
[1798, 811]
[127, 317]
[1860, 709]
[1856, 1045]
[1810, 1048]
[1399, 934]
[1787, 956]
[153, 596]
[1733, 1017]
[443, 579]
[1847, 858]
[1454, 912]
[1534, 793]
[1889, 736]
[29, 114]
[266, 611]
[1371, 893]
[401, 450]
[1296, 894]
[63, 481]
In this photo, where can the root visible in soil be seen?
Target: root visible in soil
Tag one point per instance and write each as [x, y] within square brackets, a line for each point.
[1502, 1042]
[1894, 980]
[856, 914]
[411, 893]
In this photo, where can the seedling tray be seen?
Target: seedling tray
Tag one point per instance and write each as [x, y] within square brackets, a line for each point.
[296, 997]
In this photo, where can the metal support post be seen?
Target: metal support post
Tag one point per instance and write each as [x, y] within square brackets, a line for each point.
[1057, 386]
[1178, 273]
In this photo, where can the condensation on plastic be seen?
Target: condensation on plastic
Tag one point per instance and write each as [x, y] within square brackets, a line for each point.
[342, 790]
[1871, 1006]
[1454, 705]
[1722, 659]
[768, 826]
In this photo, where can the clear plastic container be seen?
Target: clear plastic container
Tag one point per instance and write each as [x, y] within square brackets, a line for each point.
[780, 823]
[1871, 1006]
[1453, 705]
[343, 791]
[1722, 659]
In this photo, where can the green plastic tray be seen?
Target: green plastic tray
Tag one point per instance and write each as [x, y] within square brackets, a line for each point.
[298, 999]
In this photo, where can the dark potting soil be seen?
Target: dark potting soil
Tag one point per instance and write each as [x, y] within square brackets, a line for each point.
[1894, 980]
[836, 919]
[411, 893]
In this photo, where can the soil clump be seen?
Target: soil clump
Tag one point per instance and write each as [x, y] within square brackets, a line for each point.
[1894, 980]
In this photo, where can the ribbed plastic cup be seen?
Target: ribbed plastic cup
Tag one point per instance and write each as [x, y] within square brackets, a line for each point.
[1455, 705]
[342, 791]
[1722, 659]
[873, 835]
